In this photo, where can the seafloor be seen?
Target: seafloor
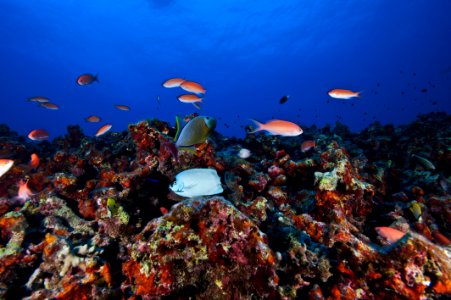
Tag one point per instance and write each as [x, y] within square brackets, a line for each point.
[102, 224]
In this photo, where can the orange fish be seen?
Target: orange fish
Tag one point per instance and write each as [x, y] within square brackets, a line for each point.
[279, 127]
[49, 105]
[5, 165]
[343, 94]
[104, 129]
[39, 99]
[24, 192]
[122, 107]
[38, 135]
[173, 82]
[390, 234]
[440, 238]
[189, 98]
[164, 210]
[192, 87]
[86, 79]
[307, 145]
[34, 161]
[93, 119]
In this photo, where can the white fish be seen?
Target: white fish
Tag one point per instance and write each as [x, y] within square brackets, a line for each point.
[244, 153]
[5, 165]
[197, 182]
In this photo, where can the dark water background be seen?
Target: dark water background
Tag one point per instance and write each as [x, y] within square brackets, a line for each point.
[248, 54]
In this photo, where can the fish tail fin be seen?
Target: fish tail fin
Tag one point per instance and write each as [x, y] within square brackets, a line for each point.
[96, 77]
[358, 93]
[259, 126]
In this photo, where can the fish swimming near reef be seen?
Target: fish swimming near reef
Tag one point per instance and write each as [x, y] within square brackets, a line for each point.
[104, 129]
[49, 105]
[279, 127]
[189, 98]
[39, 99]
[38, 135]
[197, 182]
[192, 87]
[173, 82]
[24, 192]
[164, 210]
[93, 119]
[34, 161]
[244, 153]
[307, 145]
[415, 209]
[392, 235]
[425, 163]
[122, 107]
[343, 94]
[86, 79]
[196, 131]
[440, 238]
[5, 165]
[284, 99]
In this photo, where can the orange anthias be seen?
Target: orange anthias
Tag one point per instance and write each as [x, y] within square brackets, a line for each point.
[192, 87]
[39, 99]
[86, 79]
[34, 161]
[24, 192]
[38, 135]
[49, 105]
[307, 145]
[189, 98]
[343, 94]
[279, 127]
[173, 82]
[93, 119]
[122, 107]
[390, 234]
[104, 129]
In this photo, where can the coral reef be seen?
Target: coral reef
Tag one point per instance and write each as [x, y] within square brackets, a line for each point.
[100, 222]
[203, 247]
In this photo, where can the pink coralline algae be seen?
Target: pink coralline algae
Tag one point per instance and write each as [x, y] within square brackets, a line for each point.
[206, 243]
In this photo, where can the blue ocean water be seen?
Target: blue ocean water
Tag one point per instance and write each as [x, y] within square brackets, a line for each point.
[247, 54]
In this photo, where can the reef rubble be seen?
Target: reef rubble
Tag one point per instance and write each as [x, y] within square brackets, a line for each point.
[100, 221]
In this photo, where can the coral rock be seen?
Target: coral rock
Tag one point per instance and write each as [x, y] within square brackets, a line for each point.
[204, 241]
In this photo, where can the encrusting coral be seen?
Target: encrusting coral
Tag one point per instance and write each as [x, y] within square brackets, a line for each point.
[99, 220]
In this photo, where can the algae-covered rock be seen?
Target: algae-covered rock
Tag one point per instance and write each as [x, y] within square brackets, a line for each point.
[205, 246]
